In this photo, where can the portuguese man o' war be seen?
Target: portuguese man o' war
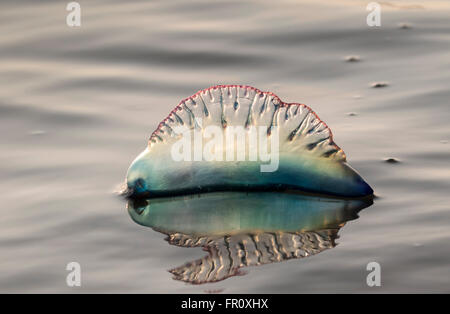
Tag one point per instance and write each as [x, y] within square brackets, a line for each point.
[238, 138]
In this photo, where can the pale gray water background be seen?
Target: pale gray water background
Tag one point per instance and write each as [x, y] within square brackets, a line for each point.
[78, 104]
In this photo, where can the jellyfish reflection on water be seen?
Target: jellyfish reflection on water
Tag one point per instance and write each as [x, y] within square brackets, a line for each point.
[239, 229]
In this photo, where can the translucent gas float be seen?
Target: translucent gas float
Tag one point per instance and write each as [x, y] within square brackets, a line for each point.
[238, 138]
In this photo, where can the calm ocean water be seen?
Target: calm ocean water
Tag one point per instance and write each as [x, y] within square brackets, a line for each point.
[78, 104]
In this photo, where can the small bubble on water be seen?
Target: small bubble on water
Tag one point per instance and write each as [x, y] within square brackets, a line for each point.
[404, 26]
[352, 58]
[391, 160]
[37, 132]
[379, 84]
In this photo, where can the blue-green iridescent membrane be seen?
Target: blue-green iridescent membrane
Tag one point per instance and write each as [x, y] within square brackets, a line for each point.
[154, 177]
